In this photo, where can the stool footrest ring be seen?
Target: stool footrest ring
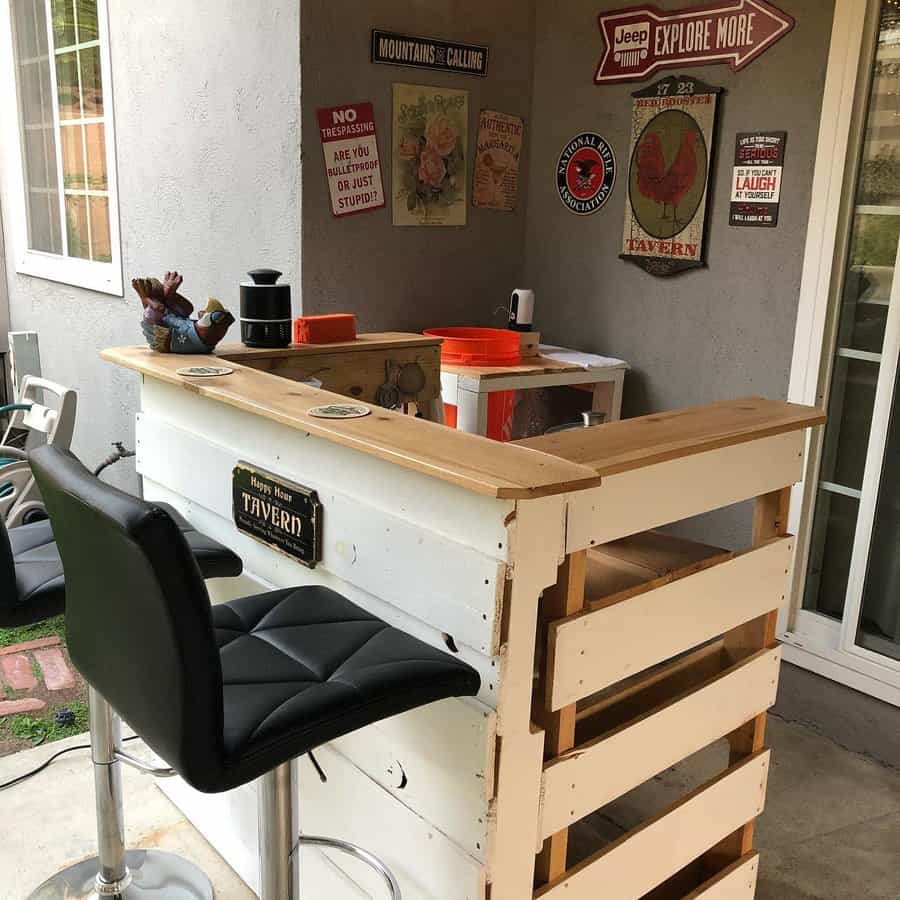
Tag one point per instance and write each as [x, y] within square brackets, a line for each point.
[361, 854]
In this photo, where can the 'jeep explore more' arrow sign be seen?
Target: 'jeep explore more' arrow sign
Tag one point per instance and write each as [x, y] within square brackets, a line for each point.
[643, 39]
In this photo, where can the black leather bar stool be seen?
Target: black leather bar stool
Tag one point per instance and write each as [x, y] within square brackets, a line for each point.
[224, 694]
[32, 587]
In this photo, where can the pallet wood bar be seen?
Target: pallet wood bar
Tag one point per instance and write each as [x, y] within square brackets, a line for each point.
[609, 650]
[646, 856]
[601, 646]
[736, 882]
[353, 368]
[596, 773]
[637, 500]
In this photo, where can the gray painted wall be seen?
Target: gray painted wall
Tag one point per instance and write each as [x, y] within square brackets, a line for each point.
[207, 140]
[409, 278]
[724, 331]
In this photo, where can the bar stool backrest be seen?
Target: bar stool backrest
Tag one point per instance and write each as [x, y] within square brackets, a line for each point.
[138, 620]
[9, 592]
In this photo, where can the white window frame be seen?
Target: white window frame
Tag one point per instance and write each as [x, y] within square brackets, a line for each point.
[96, 276]
[813, 641]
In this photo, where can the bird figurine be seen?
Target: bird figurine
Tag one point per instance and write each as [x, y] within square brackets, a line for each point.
[167, 320]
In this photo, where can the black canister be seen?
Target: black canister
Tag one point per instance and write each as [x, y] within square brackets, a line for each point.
[265, 310]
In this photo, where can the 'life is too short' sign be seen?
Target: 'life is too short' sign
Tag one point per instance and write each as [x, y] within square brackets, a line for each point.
[352, 164]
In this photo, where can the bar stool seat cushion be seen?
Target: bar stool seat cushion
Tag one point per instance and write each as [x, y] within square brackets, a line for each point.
[38, 569]
[302, 666]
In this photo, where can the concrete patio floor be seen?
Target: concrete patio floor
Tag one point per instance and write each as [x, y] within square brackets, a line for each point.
[831, 829]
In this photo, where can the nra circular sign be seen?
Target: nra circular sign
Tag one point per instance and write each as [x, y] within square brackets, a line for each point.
[586, 173]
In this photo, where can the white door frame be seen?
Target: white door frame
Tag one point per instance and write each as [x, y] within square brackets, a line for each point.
[4, 297]
[811, 640]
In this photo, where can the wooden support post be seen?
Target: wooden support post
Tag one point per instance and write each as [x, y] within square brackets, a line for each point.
[769, 520]
[562, 599]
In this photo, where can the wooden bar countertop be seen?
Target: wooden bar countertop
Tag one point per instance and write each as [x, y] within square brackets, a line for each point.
[644, 441]
[537, 467]
[472, 462]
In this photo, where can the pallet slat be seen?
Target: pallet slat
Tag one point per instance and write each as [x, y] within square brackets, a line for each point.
[596, 649]
[669, 491]
[645, 857]
[737, 882]
[596, 773]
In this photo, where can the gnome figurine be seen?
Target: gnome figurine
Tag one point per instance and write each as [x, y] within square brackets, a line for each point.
[167, 323]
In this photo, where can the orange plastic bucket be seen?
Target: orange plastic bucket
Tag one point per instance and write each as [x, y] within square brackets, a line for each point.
[478, 346]
[483, 347]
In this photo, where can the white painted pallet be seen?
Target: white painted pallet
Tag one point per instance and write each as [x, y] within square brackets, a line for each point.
[468, 518]
[449, 584]
[266, 569]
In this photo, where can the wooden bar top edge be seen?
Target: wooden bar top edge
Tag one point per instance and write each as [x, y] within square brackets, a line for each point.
[660, 437]
[374, 341]
[480, 465]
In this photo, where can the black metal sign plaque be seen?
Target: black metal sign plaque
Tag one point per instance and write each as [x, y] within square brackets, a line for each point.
[278, 513]
[756, 182]
[392, 49]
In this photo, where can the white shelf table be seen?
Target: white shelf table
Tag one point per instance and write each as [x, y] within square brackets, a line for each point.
[468, 387]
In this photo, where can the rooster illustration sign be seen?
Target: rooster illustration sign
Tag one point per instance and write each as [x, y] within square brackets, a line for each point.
[668, 177]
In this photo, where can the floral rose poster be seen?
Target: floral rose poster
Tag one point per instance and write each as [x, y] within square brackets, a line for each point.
[431, 128]
[495, 182]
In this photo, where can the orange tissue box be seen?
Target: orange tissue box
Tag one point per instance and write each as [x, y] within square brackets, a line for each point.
[327, 329]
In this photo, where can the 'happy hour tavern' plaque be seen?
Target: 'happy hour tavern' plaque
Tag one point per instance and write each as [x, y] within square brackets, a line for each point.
[278, 513]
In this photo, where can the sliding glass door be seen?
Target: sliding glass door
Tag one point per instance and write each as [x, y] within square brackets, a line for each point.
[853, 572]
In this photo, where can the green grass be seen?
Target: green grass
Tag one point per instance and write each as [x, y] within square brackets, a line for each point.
[49, 628]
[44, 729]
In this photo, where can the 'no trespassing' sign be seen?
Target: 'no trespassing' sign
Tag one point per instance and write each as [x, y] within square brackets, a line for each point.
[352, 164]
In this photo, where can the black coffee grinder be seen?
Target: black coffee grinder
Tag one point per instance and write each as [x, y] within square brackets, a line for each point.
[265, 310]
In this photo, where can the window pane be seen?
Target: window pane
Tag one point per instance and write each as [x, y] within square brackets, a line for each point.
[63, 23]
[73, 156]
[850, 416]
[43, 222]
[91, 81]
[100, 246]
[77, 226]
[28, 42]
[36, 159]
[834, 528]
[67, 85]
[35, 104]
[87, 20]
[96, 158]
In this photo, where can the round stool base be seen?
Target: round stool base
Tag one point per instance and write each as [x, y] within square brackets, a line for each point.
[154, 875]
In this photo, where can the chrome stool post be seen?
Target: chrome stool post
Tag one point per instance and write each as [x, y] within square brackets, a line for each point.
[117, 874]
[277, 847]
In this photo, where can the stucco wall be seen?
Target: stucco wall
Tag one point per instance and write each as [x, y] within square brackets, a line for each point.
[723, 331]
[207, 139]
[409, 278]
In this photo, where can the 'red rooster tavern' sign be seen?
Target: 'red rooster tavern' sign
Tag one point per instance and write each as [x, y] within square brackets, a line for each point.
[672, 129]
[644, 39]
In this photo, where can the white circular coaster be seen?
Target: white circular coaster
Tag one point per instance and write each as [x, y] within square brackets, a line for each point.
[340, 411]
[203, 371]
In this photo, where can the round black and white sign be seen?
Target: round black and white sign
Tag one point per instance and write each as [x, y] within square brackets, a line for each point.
[586, 173]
